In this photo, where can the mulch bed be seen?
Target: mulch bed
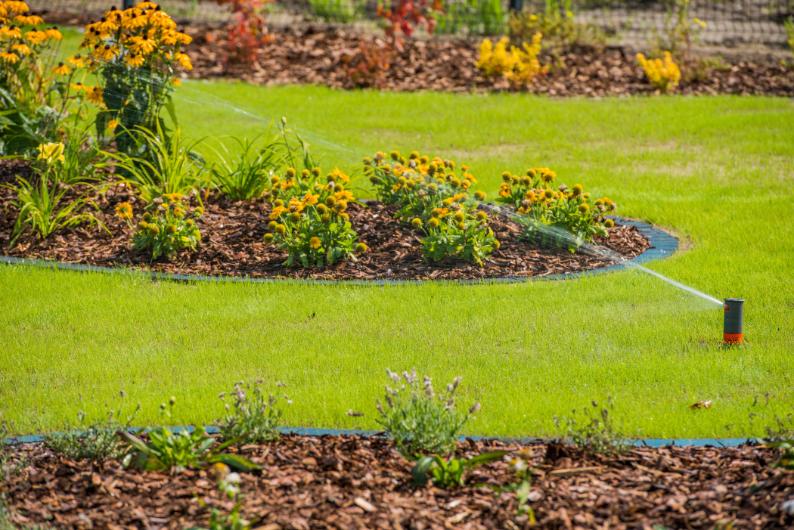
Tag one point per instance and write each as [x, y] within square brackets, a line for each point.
[319, 54]
[362, 482]
[233, 245]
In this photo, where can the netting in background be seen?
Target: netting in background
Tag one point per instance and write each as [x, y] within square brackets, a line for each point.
[729, 23]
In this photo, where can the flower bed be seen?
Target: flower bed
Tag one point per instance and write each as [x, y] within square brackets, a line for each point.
[362, 482]
[316, 55]
[233, 244]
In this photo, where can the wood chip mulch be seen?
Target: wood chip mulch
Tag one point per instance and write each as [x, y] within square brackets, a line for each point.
[318, 54]
[233, 245]
[361, 482]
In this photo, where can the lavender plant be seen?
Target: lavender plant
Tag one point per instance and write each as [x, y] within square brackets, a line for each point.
[252, 417]
[419, 420]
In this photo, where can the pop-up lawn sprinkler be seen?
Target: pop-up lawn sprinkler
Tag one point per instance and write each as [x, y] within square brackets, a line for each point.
[733, 332]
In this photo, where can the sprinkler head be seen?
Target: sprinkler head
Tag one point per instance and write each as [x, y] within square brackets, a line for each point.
[733, 329]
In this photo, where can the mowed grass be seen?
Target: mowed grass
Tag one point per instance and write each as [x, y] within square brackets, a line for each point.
[717, 171]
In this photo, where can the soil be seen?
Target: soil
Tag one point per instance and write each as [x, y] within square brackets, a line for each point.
[233, 245]
[362, 482]
[323, 55]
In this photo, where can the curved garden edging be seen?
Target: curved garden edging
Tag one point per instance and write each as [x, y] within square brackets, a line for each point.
[313, 431]
[662, 245]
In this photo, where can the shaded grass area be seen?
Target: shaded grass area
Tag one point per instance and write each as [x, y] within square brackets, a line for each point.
[718, 171]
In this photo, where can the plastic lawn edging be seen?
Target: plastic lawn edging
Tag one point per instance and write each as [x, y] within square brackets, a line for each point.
[311, 431]
[662, 245]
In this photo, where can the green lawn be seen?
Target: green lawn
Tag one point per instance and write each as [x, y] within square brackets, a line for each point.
[718, 171]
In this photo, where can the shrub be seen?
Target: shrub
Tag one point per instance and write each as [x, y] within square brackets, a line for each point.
[309, 218]
[334, 10]
[137, 54]
[595, 432]
[367, 67]
[518, 65]
[167, 166]
[94, 441]
[42, 205]
[247, 32]
[433, 197]
[663, 74]
[169, 229]
[477, 17]
[562, 217]
[251, 416]
[558, 26]
[34, 96]
[403, 17]
[419, 420]
[457, 230]
[166, 450]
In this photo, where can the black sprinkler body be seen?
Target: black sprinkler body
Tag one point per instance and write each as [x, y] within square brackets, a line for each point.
[733, 327]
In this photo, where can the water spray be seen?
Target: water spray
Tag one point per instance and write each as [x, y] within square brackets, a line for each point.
[733, 324]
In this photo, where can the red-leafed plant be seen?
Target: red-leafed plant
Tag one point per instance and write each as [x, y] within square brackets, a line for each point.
[367, 67]
[403, 17]
[246, 33]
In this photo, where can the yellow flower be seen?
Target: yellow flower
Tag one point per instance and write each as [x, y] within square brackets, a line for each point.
[124, 211]
[10, 58]
[135, 60]
[7, 33]
[141, 45]
[315, 242]
[61, 69]
[21, 49]
[51, 152]
[112, 124]
[184, 61]
[53, 33]
[76, 61]
[95, 95]
[28, 20]
[35, 37]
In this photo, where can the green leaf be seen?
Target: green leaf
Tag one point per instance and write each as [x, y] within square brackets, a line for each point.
[236, 462]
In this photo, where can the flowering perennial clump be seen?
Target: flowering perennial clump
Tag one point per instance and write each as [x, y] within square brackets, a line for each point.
[137, 52]
[434, 198]
[171, 227]
[518, 65]
[33, 93]
[664, 74]
[309, 218]
[559, 217]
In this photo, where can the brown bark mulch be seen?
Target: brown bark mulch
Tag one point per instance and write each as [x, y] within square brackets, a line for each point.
[362, 482]
[317, 54]
[233, 245]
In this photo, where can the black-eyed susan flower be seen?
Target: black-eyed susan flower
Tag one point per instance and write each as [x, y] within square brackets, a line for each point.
[61, 69]
[124, 211]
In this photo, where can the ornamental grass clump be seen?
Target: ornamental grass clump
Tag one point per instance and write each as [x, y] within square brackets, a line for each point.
[167, 228]
[551, 216]
[42, 201]
[251, 416]
[309, 218]
[433, 197]
[137, 54]
[662, 73]
[517, 65]
[419, 420]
